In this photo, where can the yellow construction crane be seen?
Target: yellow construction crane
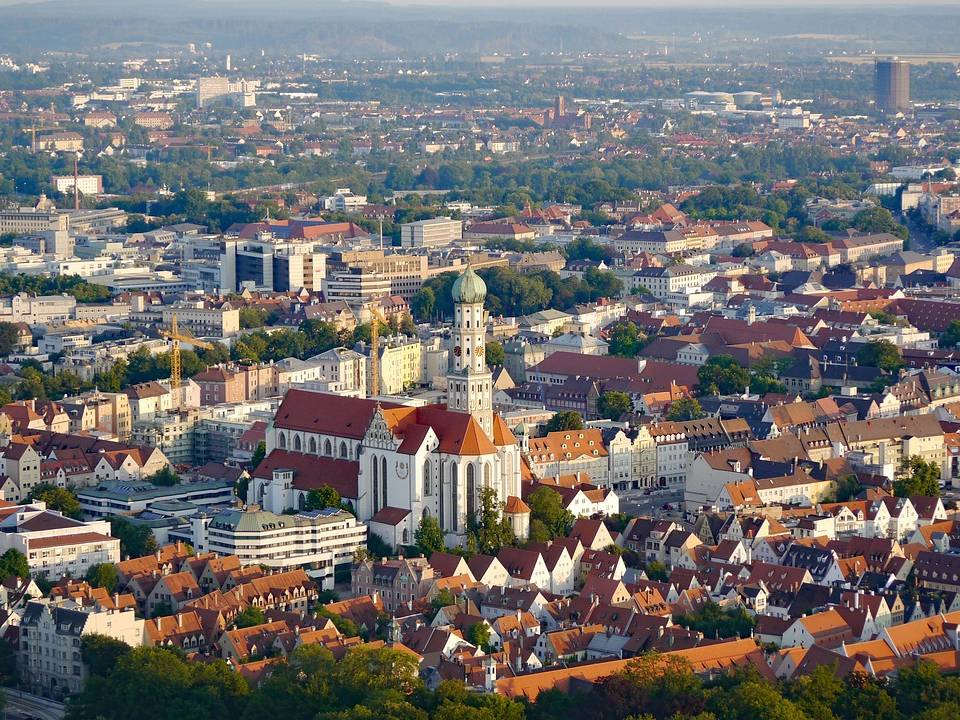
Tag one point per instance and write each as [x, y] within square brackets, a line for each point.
[375, 349]
[176, 337]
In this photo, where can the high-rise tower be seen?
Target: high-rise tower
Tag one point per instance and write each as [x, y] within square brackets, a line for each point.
[892, 84]
[470, 383]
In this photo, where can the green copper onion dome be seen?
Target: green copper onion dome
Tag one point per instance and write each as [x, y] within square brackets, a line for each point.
[469, 288]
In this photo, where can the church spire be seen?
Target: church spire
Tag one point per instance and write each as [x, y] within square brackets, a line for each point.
[469, 383]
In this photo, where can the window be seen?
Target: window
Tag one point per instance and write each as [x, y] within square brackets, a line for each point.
[471, 492]
[454, 499]
[282, 441]
[343, 449]
[297, 446]
[327, 448]
[313, 445]
[427, 480]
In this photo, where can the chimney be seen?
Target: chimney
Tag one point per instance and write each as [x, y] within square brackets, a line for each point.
[179, 619]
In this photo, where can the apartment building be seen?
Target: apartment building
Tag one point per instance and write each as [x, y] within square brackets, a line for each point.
[664, 281]
[319, 541]
[53, 544]
[396, 582]
[99, 412]
[37, 309]
[401, 365]
[51, 636]
[202, 318]
[432, 233]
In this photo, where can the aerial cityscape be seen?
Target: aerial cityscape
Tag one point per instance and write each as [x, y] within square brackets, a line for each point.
[479, 361]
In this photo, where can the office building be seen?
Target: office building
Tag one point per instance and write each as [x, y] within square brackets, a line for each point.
[436, 232]
[892, 78]
[319, 541]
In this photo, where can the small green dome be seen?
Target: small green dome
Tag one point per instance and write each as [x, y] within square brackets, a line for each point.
[469, 288]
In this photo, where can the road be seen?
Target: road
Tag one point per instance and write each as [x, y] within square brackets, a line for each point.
[634, 502]
[21, 705]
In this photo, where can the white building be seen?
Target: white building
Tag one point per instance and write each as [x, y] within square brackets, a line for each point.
[343, 200]
[51, 635]
[53, 544]
[435, 232]
[319, 541]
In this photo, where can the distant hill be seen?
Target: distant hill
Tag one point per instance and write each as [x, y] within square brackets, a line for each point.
[376, 29]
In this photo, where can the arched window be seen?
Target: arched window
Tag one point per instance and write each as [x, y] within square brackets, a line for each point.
[313, 445]
[375, 469]
[488, 474]
[427, 479]
[441, 503]
[327, 448]
[471, 491]
[454, 498]
[282, 440]
[302, 503]
[425, 513]
[343, 449]
[406, 536]
[383, 482]
[297, 445]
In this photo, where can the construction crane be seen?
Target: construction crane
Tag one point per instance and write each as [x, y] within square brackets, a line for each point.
[176, 337]
[375, 349]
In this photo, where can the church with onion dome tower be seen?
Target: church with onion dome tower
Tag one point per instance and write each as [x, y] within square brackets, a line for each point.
[397, 463]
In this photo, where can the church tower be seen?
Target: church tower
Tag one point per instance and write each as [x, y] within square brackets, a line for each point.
[470, 383]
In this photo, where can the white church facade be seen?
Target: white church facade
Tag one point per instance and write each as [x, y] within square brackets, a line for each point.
[395, 463]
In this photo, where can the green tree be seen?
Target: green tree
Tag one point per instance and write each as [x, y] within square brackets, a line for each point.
[625, 339]
[656, 570]
[9, 337]
[57, 498]
[135, 540]
[685, 409]
[444, 598]
[754, 699]
[479, 635]
[101, 653]
[881, 354]
[494, 354]
[252, 317]
[165, 476]
[950, 337]
[13, 563]
[322, 498]
[489, 528]
[259, 453]
[921, 478]
[424, 304]
[429, 536]
[177, 689]
[660, 686]
[103, 575]
[613, 404]
[547, 510]
[716, 622]
[565, 420]
[250, 617]
[722, 375]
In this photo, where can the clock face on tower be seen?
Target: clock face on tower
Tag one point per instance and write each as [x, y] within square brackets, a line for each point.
[480, 350]
[457, 351]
